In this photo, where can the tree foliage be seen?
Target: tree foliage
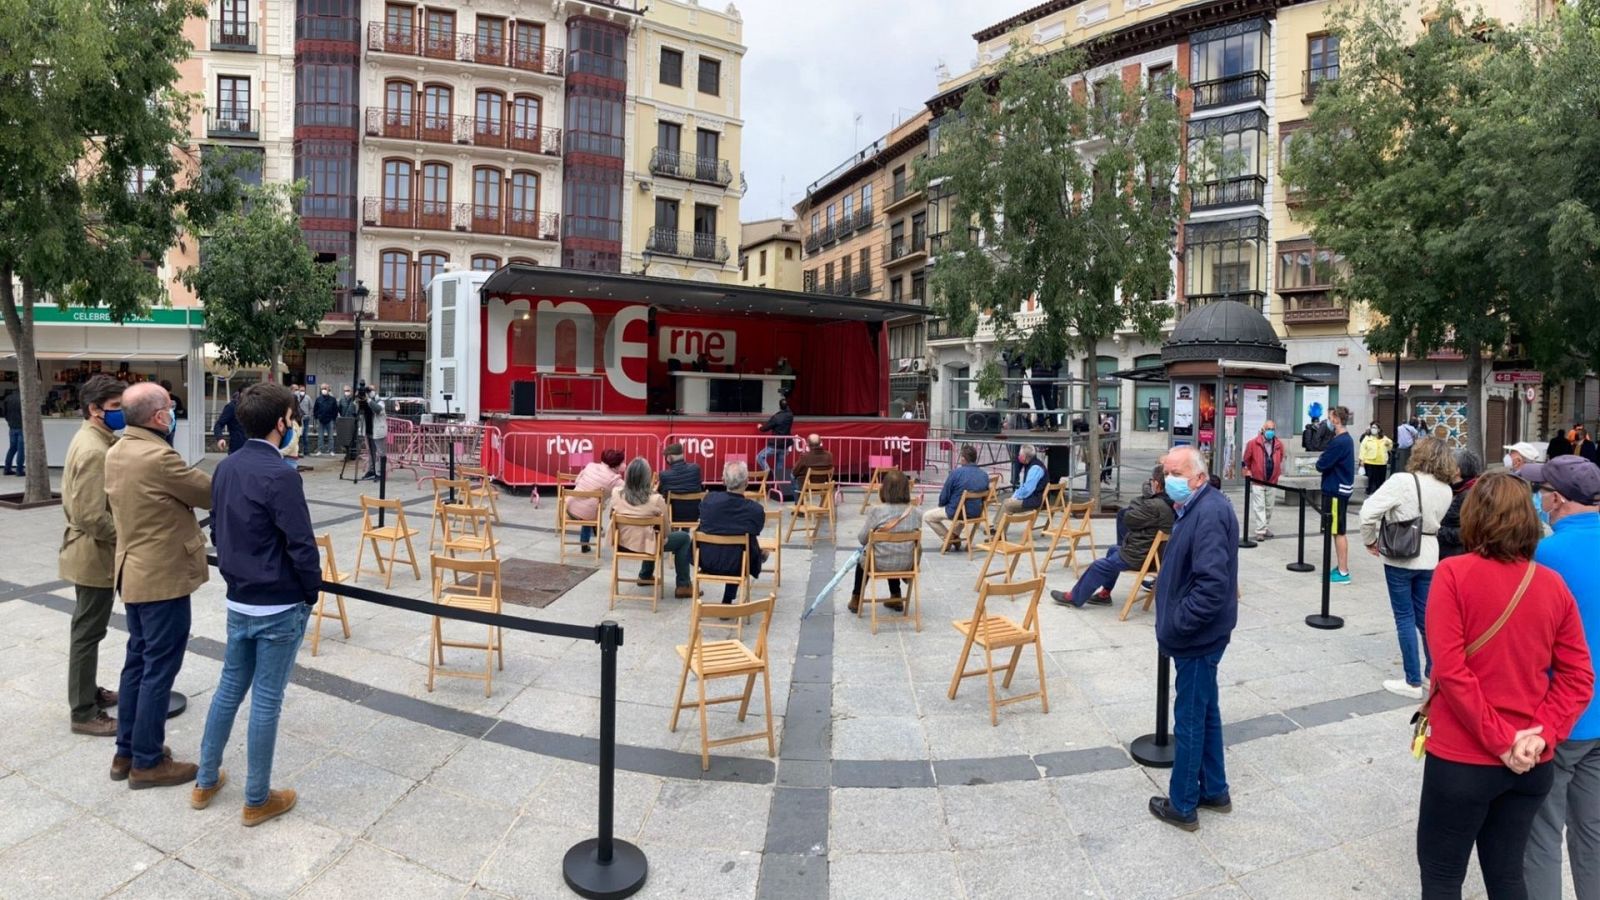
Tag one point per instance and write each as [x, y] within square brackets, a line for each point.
[1071, 195]
[259, 281]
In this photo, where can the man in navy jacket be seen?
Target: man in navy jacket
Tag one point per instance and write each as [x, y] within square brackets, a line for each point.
[1197, 606]
[268, 556]
[731, 512]
[682, 477]
[1338, 467]
[228, 422]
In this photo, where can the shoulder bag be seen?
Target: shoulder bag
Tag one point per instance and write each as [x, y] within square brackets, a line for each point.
[1402, 539]
[1419, 720]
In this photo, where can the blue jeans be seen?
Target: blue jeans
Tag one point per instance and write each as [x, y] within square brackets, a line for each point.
[1101, 574]
[677, 544]
[259, 658]
[158, 635]
[325, 436]
[585, 532]
[1197, 769]
[775, 453]
[15, 450]
[1408, 599]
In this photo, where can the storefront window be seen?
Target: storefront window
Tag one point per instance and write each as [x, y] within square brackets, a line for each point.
[1150, 401]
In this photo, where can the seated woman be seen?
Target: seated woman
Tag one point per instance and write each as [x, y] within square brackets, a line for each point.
[634, 499]
[601, 476]
[895, 515]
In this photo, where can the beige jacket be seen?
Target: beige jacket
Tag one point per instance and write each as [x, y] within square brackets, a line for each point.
[89, 543]
[639, 540]
[161, 552]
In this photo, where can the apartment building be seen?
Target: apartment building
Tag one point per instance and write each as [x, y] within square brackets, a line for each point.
[866, 236]
[770, 254]
[685, 132]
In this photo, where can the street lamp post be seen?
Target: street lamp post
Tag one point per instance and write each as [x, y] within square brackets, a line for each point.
[359, 293]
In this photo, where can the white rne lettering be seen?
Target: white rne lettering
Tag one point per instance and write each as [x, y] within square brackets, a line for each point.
[501, 315]
[701, 447]
[619, 349]
[903, 444]
[686, 345]
[548, 318]
[559, 445]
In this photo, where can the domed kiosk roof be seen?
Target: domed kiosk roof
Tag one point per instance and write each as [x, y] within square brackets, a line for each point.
[1224, 329]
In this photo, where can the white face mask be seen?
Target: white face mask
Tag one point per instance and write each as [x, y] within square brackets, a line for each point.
[1372, 431]
[1506, 460]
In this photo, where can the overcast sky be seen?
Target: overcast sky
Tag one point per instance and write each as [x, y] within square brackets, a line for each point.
[813, 65]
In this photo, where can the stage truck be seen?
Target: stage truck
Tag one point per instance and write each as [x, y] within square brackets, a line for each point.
[563, 364]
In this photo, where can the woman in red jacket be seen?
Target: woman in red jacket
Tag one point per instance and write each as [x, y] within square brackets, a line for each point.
[1498, 713]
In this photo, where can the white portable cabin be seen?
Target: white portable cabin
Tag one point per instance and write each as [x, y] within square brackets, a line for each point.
[455, 343]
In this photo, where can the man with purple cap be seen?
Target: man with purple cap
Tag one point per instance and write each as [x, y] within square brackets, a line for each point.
[1567, 487]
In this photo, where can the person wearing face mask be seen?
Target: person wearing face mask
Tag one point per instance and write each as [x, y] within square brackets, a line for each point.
[88, 548]
[1197, 606]
[1263, 462]
[1519, 455]
[347, 403]
[1338, 467]
[267, 554]
[160, 560]
[1137, 527]
[1374, 457]
[325, 411]
[293, 440]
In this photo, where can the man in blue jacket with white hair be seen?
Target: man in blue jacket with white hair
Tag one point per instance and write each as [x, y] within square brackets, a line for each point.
[1197, 606]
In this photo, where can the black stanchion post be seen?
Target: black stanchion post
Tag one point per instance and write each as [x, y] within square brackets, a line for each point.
[451, 451]
[1300, 564]
[604, 866]
[1155, 751]
[1324, 620]
[1244, 521]
[383, 483]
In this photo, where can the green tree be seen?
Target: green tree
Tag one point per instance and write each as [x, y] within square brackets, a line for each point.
[1411, 173]
[260, 284]
[1071, 197]
[92, 131]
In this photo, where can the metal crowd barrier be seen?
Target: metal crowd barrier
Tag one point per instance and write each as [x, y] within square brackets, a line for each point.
[520, 459]
[854, 457]
[427, 449]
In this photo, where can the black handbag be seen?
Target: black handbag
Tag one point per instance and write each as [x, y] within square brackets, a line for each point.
[1402, 539]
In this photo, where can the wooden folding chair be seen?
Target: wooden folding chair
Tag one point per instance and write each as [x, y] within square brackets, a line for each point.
[441, 497]
[814, 504]
[774, 546]
[483, 489]
[959, 529]
[391, 534]
[1000, 544]
[881, 466]
[741, 580]
[1074, 527]
[619, 553]
[575, 464]
[677, 524]
[1150, 569]
[873, 575]
[756, 489]
[566, 521]
[475, 585]
[710, 660]
[1053, 502]
[469, 529]
[991, 500]
[330, 573]
[993, 633]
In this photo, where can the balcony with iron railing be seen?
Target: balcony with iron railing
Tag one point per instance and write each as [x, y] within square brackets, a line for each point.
[1256, 300]
[903, 250]
[845, 227]
[667, 163]
[437, 215]
[864, 218]
[1313, 306]
[1241, 191]
[861, 283]
[813, 242]
[687, 245]
[901, 192]
[491, 133]
[1312, 79]
[1245, 87]
[452, 47]
[236, 37]
[233, 122]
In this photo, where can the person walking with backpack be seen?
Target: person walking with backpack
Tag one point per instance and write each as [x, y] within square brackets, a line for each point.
[1400, 524]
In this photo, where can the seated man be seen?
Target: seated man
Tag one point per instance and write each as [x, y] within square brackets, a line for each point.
[731, 512]
[1029, 493]
[815, 457]
[682, 477]
[1136, 531]
[965, 477]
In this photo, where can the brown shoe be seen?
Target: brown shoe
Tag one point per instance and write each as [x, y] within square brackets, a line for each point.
[645, 582]
[200, 797]
[167, 773]
[101, 725]
[683, 592]
[855, 605]
[104, 699]
[121, 765]
[895, 605]
[278, 803]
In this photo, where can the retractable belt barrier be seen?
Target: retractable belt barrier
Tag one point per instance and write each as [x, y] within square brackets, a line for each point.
[602, 866]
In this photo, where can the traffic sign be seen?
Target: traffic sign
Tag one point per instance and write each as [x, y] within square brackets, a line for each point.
[1529, 394]
[1518, 376]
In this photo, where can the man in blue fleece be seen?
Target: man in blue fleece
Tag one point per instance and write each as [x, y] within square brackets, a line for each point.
[1197, 605]
[1338, 467]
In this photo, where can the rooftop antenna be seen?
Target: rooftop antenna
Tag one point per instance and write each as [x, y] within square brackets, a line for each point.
[856, 144]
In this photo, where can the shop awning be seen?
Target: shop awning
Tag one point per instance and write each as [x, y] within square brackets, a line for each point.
[62, 356]
[1157, 374]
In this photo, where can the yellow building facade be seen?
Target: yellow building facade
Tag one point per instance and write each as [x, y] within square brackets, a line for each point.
[770, 254]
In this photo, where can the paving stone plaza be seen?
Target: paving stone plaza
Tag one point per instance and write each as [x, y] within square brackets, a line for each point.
[882, 786]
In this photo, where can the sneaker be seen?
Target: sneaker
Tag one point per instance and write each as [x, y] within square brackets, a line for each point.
[278, 803]
[1100, 598]
[122, 765]
[1062, 598]
[1404, 689]
[1261, 536]
[101, 725]
[200, 798]
[1162, 809]
[1338, 577]
[1221, 803]
[167, 773]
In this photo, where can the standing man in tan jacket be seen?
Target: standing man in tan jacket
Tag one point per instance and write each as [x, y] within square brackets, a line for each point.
[88, 547]
[160, 560]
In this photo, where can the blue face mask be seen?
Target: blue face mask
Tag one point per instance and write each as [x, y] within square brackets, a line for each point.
[1538, 507]
[114, 420]
[1177, 488]
[288, 439]
[1269, 434]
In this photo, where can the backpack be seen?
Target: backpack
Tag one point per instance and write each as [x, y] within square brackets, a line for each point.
[1316, 437]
